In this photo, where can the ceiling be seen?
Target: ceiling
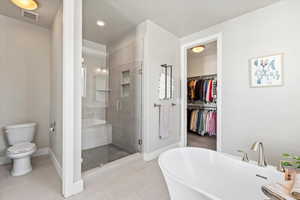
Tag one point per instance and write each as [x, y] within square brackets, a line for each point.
[181, 17]
[47, 10]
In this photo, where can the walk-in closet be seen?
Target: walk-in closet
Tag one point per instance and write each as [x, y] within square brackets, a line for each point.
[202, 96]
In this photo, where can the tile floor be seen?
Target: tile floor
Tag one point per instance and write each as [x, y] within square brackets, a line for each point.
[98, 156]
[208, 142]
[135, 180]
[42, 183]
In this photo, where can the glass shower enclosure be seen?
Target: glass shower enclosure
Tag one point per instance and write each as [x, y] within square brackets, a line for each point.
[111, 106]
[124, 112]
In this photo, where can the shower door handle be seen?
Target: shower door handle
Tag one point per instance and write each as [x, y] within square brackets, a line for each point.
[157, 105]
[118, 105]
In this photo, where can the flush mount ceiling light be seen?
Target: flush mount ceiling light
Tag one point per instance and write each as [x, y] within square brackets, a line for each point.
[26, 4]
[198, 49]
[100, 23]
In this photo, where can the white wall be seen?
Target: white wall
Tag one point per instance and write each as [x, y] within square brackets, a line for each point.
[161, 47]
[56, 85]
[204, 63]
[270, 115]
[24, 77]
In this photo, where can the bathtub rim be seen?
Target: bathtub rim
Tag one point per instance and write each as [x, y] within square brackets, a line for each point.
[167, 173]
[174, 177]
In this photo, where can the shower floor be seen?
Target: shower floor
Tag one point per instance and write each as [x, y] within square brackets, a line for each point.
[98, 156]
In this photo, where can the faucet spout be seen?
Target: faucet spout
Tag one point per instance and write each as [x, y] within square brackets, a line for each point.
[258, 146]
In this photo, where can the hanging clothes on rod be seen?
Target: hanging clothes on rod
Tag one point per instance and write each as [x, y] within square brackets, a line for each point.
[202, 121]
[202, 110]
[203, 89]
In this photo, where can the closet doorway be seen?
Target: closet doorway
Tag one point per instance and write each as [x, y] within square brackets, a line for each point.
[202, 94]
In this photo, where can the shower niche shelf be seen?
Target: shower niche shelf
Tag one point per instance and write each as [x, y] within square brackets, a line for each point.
[125, 83]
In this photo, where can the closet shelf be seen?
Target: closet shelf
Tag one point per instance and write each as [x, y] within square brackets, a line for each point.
[202, 77]
[199, 102]
[201, 105]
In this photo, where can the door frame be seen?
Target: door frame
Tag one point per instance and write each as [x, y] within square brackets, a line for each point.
[72, 182]
[183, 54]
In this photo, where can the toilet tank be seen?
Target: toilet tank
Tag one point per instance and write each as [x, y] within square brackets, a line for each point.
[19, 133]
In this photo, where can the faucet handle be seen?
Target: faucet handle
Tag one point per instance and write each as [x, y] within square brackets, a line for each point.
[245, 156]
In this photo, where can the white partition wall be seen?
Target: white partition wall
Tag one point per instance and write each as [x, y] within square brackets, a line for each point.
[72, 51]
[160, 47]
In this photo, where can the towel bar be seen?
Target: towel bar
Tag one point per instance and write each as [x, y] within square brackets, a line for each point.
[159, 113]
[157, 105]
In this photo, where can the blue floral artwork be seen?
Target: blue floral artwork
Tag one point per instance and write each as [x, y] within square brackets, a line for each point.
[266, 71]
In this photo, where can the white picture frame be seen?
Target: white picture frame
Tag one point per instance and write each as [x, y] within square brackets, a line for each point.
[266, 71]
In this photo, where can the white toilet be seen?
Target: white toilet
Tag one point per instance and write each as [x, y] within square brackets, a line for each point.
[20, 136]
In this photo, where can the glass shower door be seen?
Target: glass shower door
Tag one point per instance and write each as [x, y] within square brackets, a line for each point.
[126, 106]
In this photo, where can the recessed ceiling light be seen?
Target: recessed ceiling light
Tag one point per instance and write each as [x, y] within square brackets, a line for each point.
[100, 23]
[198, 49]
[26, 4]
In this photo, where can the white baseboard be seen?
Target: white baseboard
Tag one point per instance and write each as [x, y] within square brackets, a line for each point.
[154, 154]
[76, 188]
[181, 143]
[4, 160]
[55, 163]
[40, 152]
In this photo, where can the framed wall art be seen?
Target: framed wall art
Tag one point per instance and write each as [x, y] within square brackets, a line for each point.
[266, 71]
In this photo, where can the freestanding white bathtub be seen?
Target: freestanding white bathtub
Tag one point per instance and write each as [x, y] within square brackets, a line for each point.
[201, 174]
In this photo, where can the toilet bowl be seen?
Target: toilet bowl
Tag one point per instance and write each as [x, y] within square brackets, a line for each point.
[21, 156]
[20, 137]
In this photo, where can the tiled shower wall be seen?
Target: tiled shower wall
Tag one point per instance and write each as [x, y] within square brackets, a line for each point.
[124, 111]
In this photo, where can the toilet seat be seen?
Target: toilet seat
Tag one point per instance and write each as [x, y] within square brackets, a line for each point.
[21, 154]
[21, 148]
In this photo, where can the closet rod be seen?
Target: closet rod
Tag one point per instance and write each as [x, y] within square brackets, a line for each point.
[202, 77]
[213, 109]
[202, 106]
